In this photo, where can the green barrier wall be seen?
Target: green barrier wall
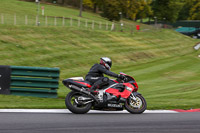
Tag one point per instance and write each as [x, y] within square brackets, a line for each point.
[34, 81]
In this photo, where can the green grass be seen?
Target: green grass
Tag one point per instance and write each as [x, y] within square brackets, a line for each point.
[16, 12]
[163, 62]
[30, 8]
[10, 9]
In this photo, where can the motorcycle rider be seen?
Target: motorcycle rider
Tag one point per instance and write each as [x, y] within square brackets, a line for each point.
[95, 75]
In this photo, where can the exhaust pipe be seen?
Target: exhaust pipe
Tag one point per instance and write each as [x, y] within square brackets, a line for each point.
[73, 87]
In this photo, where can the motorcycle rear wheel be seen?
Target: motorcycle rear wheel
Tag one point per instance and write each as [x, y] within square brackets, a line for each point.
[73, 106]
[136, 107]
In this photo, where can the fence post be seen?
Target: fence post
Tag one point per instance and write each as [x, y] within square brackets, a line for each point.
[113, 26]
[106, 25]
[86, 23]
[14, 19]
[46, 21]
[78, 22]
[71, 21]
[55, 21]
[92, 24]
[63, 21]
[26, 20]
[2, 19]
[36, 21]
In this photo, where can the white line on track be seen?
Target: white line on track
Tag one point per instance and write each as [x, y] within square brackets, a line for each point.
[66, 111]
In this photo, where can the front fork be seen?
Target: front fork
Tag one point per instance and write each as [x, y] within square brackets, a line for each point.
[133, 96]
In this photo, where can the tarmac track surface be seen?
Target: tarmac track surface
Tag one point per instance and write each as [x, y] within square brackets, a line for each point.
[99, 123]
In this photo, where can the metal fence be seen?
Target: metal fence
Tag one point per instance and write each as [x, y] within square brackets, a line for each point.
[181, 23]
[14, 19]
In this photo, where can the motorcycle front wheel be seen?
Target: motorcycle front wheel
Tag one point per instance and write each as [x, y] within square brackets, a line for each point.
[74, 105]
[137, 106]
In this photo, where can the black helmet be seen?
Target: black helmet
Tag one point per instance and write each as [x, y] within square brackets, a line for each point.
[107, 62]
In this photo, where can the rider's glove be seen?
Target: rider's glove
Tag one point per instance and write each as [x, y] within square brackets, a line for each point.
[121, 76]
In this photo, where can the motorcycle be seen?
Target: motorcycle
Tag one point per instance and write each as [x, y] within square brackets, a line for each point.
[117, 95]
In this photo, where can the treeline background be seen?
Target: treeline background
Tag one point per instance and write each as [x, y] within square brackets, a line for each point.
[165, 10]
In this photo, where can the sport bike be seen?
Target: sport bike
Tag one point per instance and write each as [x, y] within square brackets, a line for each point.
[117, 95]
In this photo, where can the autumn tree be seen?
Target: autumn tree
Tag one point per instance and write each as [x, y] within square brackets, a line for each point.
[190, 10]
[144, 9]
[195, 11]
[166, 9]
[93, 4]
[131, 8]
[111, 9]
[185, 11]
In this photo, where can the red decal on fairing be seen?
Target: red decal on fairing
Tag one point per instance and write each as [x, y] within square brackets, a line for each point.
[86, 84]
[115, 81]
[113, 91]
[125, 93]
[117, 93]
[136, 85]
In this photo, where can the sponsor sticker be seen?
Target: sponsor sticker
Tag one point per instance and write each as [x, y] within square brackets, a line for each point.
[115, 105]
[129, 89]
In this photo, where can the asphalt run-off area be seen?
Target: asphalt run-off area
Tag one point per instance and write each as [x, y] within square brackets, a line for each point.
[63, 121]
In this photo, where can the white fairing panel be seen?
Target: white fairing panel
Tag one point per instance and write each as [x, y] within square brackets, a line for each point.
[77, 78]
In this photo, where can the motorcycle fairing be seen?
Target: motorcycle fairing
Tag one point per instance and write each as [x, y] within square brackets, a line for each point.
[83, 83]
[132, 80]
[114, 80]
[77, 83]
[125, 94]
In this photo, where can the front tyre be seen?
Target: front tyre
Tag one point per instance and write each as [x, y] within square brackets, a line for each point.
[135, 104]
[74, 105]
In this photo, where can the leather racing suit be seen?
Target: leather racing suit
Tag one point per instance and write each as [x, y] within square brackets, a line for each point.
[96, 76]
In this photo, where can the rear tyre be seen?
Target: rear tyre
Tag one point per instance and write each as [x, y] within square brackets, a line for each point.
[136, 107]
[74, 106]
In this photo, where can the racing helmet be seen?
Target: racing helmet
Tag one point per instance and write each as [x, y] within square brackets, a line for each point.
[107, 62]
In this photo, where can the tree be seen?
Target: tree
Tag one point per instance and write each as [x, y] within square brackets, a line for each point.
[96, 4]
[195, 12]
[168, 9]
[190, 10]
[144, 10]
[131, 8]
[81, 8]
[88, 3]
[93, 4]
[75, 3]
[111, 9]
[185, 11]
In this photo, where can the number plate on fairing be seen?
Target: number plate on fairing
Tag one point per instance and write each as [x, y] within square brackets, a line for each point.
[115, 105]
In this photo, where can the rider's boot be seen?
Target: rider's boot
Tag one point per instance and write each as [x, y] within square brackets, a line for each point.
[98, 84]
[93, 88]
